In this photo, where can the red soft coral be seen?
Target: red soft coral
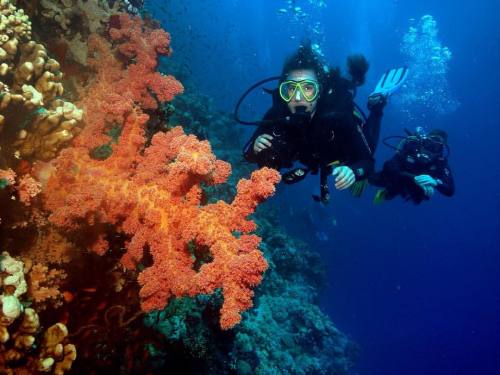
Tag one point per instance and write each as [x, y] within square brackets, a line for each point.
[126, 77]
[155, 199]
[28, 188]
[153, 195]
[143, 45]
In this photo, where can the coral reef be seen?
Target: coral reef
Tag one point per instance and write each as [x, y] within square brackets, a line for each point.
[31, 109]
[75, 21]
[93, 15]
[285, 332]
[198, 115]
[110, 210]
[153, 195]
[286, 308]
[19, 351]
[55, 355]
[13, 287]
[50, 247]
[285, 335]
[285, 304]
[7, 178]
[183, 321]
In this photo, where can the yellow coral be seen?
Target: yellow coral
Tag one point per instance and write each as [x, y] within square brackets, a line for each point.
[13, 285]
[55, 356]
[31, 100]
[54, 348]
[12, 275]
[50, 130]
[18, 349]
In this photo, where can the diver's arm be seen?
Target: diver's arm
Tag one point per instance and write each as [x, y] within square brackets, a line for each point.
[265, 128]
[362, 168]
[446, 184]
[249, 152]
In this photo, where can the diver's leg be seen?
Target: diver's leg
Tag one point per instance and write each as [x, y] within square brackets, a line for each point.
[371, 129]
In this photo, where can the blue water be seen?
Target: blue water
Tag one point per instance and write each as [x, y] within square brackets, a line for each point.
[417, 287]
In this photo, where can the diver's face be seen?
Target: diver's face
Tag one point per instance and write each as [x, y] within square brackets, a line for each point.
[298, 98]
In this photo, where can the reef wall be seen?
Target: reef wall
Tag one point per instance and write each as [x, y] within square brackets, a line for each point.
[112, 215]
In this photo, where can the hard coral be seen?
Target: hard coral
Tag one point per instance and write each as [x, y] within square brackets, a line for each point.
[56, 351]
[18, 349]
[155, 199]
[13, 286]
[69, 23]
[70, 15]
[56, 355]
[30, 85]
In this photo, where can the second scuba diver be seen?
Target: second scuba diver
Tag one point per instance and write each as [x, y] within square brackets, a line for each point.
[419, 167]
[315, 121]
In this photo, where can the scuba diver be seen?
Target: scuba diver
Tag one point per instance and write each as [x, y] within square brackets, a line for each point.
[314, 120]
[419, 167]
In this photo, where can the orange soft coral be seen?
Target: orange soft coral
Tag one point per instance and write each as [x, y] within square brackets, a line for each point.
[28, 188]
[143, 45]
[126, 76]
[154, 198]
[44, 284]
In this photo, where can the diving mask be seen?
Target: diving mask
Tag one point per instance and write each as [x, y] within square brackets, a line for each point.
[307, 88]
[427, 143]
[425, 149]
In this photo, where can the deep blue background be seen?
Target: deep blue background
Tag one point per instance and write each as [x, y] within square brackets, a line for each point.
[418, 288]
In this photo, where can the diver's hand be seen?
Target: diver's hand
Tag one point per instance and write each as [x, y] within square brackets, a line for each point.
[344, 177]
[376, 102]
[262, 142]
[426, 180]
[426, 183]
[428, 191]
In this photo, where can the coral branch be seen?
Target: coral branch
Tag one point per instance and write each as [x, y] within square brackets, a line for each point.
[126, 76]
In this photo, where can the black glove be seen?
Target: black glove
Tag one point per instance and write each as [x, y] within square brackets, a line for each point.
[377, 102]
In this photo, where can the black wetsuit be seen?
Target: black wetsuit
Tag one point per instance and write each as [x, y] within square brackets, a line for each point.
[398, 173]
[334, 133]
